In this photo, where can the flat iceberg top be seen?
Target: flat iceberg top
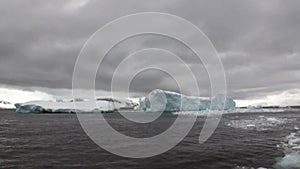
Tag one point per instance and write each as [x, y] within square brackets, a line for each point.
[69, 106]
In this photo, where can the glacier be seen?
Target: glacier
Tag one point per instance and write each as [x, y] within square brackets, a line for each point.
[60, 106]
[161, 100]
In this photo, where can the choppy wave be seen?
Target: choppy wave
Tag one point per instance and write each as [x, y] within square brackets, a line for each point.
[231, 111]
[259, 123]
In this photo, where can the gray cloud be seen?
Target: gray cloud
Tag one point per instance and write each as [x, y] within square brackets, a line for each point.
[258, 42]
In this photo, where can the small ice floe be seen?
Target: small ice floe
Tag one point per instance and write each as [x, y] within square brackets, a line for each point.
[189, 113]
[260, 123]
[296, 128]
[289, 161]
[244, 167]
[273, 120]
[291, 147]
[250, 125]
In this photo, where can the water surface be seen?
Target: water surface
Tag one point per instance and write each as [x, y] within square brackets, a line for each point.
[58, 141]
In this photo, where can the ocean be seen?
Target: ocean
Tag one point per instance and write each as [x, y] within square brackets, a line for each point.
[58, 141]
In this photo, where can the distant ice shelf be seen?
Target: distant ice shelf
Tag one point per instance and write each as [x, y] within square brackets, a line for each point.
[60, 106]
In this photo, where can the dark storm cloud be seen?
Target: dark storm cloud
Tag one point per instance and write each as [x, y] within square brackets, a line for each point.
[258, 42]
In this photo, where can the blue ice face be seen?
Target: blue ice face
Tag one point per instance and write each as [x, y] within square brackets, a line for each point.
[176, 102]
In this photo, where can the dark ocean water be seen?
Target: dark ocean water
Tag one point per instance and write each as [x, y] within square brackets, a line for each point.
[58, 141]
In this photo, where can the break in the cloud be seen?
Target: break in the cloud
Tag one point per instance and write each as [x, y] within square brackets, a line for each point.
[258, 42]
[20, 96]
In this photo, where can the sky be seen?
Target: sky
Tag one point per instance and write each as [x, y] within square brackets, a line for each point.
[257, 41]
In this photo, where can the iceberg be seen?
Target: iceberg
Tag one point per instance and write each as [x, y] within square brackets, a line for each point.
[222, 102]
[160, 100]
[290, 161]
[60, 106]
[291, 147]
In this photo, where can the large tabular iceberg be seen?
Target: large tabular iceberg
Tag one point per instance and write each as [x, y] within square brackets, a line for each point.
[160, 100]
[102, 105]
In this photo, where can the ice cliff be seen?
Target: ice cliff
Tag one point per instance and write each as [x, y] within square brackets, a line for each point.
[160, 100]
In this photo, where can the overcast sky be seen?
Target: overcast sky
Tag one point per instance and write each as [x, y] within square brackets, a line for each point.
[257, 40]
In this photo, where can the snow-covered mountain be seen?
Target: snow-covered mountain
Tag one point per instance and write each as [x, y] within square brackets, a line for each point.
[6, 105]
